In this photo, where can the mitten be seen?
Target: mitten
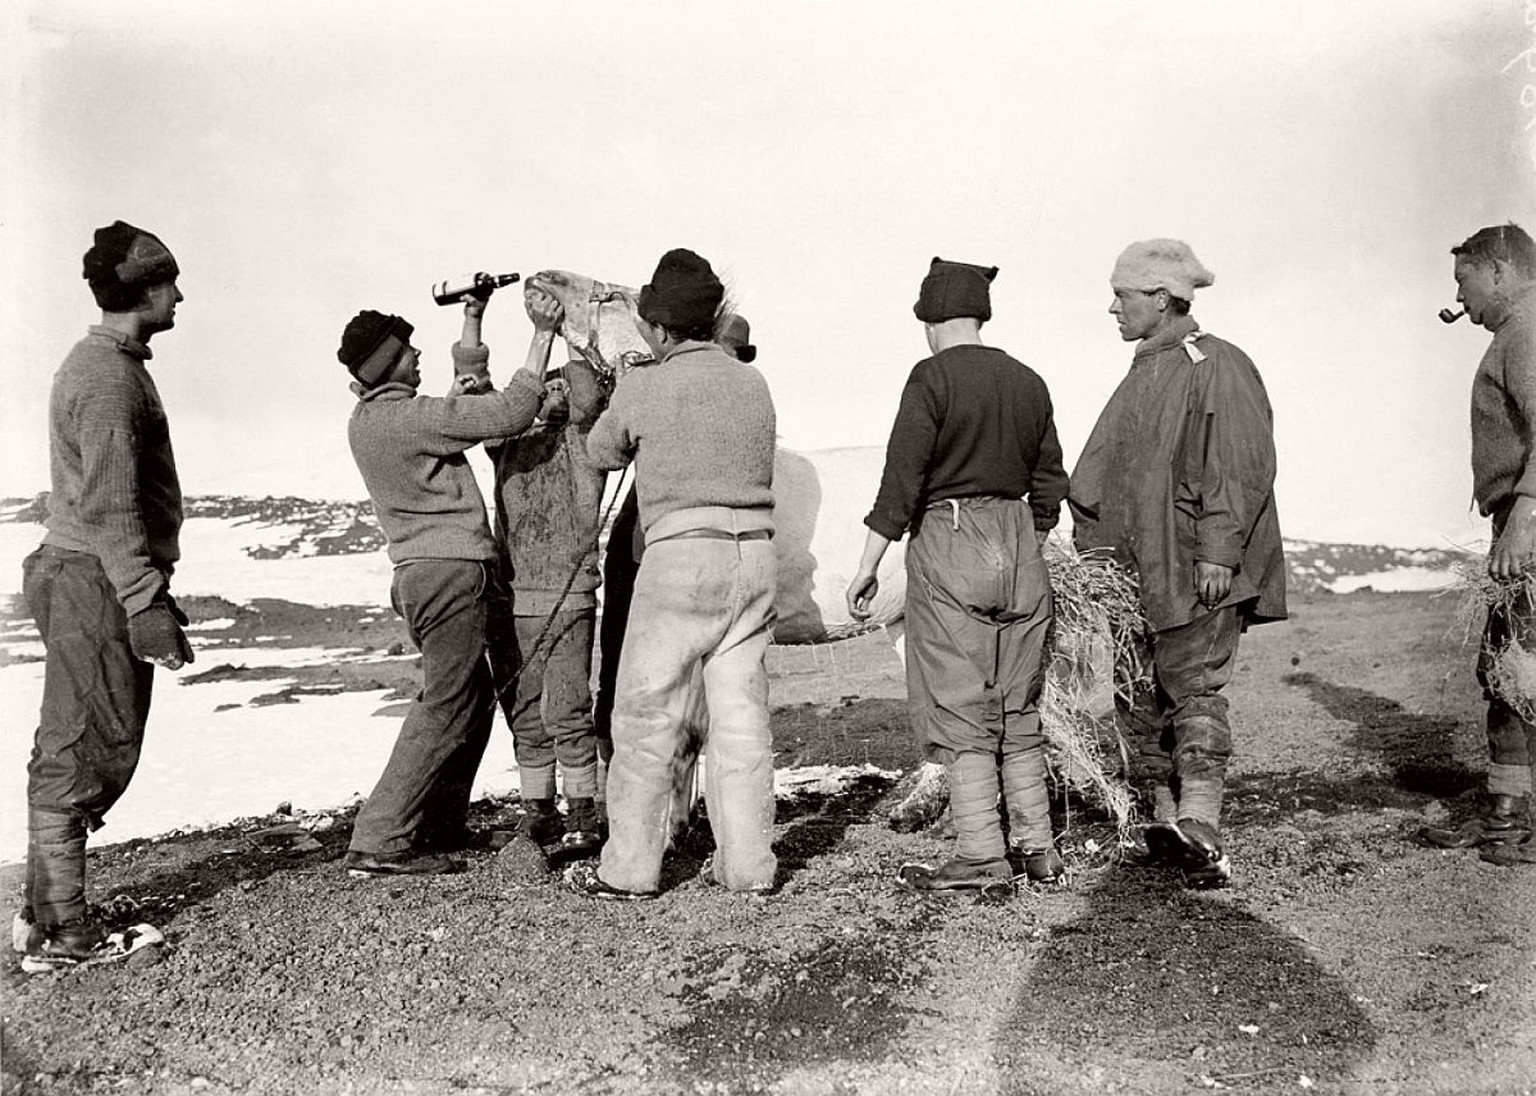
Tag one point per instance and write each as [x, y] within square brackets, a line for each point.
[156, 637]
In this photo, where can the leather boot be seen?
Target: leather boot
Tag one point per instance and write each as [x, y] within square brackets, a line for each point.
[1506, 821]
[56, 866]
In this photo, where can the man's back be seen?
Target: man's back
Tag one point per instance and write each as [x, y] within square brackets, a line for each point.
[701, 428]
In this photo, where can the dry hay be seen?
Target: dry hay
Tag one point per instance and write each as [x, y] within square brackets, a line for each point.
[1510, 667]
[1096, 645]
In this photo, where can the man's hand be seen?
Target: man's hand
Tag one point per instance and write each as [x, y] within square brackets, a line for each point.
[543, 309]
[155, 636]
[470, 384]
[1515, 550]
[1213, 582]
[474, 307]
[861, 593]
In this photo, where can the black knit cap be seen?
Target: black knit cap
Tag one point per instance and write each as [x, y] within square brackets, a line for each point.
[954, 290]
[683, 293]
[366, 334]
[122, 259]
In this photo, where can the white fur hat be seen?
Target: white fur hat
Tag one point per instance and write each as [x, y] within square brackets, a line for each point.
[1161, 264]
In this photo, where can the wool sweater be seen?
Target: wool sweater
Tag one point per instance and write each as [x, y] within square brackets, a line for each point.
[1180, 468]
[411, 451]
[972, 422]
[549, 500]
[1504, 410]
[115, 493]
[700, 427]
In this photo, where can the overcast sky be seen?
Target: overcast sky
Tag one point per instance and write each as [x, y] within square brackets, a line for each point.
[305, 160]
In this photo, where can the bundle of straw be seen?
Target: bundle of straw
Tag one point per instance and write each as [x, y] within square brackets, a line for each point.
[1097, 651]
[1510, 666]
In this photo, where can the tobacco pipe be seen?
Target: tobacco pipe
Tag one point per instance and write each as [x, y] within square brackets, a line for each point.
[1447, 316]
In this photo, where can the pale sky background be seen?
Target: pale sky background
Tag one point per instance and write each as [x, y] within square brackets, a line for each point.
[304, 160]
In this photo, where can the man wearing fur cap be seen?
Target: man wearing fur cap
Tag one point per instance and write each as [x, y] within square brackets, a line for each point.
[973, 471]
[700, 427]
[1177, 481]
[411, 451]
[1495, 275]
[98, 586]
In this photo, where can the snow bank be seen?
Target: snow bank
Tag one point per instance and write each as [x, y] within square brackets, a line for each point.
[215, 562]
[203, 767]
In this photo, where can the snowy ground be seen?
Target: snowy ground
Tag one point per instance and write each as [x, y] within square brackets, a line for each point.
[201, 766]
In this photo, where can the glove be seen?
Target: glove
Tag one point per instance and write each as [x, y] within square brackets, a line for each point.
[156, 636]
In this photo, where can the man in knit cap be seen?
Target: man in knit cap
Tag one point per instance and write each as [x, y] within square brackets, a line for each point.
[626, 546]
[1495, 274]
[973, 473]
[411, 451]
[98, 587]
[1177, 481]
[700, 427]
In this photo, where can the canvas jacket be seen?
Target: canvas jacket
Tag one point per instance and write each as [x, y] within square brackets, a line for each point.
[1181, 467]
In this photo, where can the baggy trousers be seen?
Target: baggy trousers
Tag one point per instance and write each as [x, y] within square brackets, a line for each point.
[697, 602]
[978, 610]
[1180, 733]
[550, 707]
[91, 728]
[424, 790]
[1511, 739]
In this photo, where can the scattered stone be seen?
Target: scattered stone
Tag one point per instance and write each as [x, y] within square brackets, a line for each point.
[522, 861]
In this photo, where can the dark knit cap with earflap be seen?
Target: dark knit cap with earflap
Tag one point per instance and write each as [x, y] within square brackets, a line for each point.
[954, 290]
[366, 334]
[683, 293]
[122, 260]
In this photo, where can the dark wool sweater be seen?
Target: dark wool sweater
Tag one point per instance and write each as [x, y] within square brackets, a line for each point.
[548, 505]
[972, 422]
[411, 452]
[115, 490]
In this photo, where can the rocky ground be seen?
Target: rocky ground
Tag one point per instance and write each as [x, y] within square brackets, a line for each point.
[1345, 958]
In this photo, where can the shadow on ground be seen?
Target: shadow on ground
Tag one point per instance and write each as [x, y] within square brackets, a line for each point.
[1418, 750]
[1154, 986]
[758, 1015]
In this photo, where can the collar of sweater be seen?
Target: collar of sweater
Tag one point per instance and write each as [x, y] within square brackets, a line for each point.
[691, 346]
[394, 390]
[1520, 305]
[132, 347]
[1178, 329]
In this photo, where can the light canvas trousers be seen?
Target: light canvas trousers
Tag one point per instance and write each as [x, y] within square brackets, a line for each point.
[698, 602]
